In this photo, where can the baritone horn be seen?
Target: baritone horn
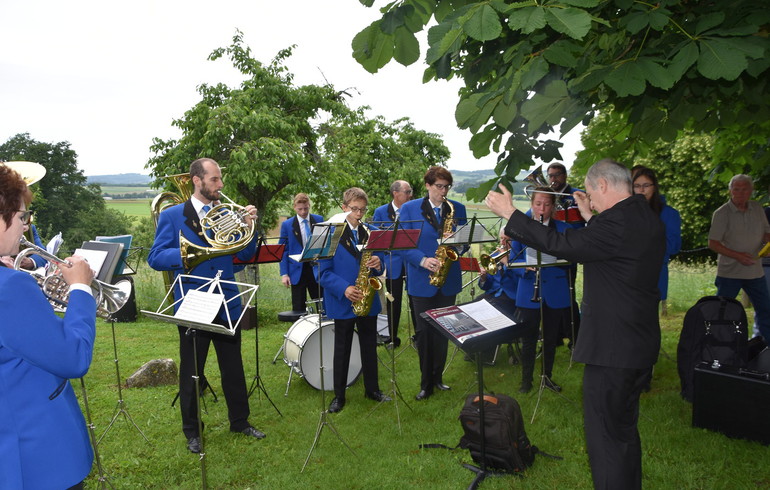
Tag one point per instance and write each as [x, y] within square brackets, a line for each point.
[536, 179]
[109, 297]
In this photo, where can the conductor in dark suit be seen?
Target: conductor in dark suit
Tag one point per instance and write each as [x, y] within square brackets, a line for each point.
[621, 250]
[383, 217]
[165, 255]
[295, 232]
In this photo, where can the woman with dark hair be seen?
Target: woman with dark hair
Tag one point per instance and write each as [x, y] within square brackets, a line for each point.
[646, 183]
[43, 437]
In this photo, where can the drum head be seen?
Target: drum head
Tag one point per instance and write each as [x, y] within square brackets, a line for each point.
[302, 351]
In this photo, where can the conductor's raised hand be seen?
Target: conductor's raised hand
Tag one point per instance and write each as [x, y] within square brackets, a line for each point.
[584, 204]
[500, 203]
[78, 272]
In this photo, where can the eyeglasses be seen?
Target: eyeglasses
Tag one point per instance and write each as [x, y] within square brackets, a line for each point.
[25, 216]
[441, 187]
[354, 209]
[408, 192]
[643, 186]
[555, 174]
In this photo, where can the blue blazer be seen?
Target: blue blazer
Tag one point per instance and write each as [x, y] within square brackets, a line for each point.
[165, 255]
[291, 236]
[418, 214]
[43, 442]
[672, 222]
[554, 281]
[340, 272]
[383, 217]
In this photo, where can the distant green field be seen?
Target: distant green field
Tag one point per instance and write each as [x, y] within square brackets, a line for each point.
[132, 207]
[126, 189]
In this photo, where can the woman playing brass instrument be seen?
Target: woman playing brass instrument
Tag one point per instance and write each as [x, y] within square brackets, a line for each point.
[43, 434]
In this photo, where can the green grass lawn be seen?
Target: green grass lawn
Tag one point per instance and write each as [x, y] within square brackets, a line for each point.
[132, 207]
[383, 440]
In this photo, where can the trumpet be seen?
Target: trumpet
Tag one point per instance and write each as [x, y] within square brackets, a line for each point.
[489, 261]
[109, 297]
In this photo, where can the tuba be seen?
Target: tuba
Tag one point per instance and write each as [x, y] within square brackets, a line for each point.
[224, 228]
[109, 297]
[167, 199]
[444, 253]
[367, 284]
[536, 179]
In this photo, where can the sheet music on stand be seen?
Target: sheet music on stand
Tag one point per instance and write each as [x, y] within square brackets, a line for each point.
[475, 230]
[324, 239]
[199, 307]
[476, 325]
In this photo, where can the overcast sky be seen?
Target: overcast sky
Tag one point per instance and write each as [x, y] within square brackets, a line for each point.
[108, 77]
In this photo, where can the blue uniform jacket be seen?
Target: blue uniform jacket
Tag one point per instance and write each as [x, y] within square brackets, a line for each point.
[291, 236]
[554, 282]
[340, 272]
[418, 214]
[383, 217]
[673, 225]
[43, 442]
[165, 255]
[505, 281]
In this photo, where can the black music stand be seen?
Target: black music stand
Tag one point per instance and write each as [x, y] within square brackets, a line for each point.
[206, 299]
[474, 333]
[395, 238]
[266, 255]
[474, 230]
[321, 245]
[538, 264]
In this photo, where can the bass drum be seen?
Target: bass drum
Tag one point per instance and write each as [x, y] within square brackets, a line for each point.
[301, 352]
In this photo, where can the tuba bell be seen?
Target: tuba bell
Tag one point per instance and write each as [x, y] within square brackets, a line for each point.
[537, 180]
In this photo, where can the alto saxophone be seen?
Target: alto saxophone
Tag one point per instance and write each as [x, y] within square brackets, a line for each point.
[444, 253]
[367, 284]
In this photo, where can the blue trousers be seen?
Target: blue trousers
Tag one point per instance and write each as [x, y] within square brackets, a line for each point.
[758, 293]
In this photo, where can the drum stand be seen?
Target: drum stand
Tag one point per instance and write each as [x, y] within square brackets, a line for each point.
[324, 419]
[543, 377]
[256, 382]
[102, 478]
[120, 408]
[394, 391]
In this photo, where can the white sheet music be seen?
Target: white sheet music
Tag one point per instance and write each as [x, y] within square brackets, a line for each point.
[95, 258]
[200, 306]
[486, 314]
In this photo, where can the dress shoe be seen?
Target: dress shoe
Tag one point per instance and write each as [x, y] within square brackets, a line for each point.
[252, 432]
[526, 387]
[336, 405]
[377, 396]
[422, 395]
[442, 387]
[551, 385]
[194, 444]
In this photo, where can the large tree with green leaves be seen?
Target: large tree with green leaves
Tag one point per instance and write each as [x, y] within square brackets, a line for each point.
[536, 67]
[63, 201]
[275, 139]
[371, 153]
[683, 167]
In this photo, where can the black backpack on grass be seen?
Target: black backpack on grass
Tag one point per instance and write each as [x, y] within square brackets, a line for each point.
[507, 447]
[714, 329]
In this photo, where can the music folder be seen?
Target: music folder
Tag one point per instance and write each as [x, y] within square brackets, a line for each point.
[477, 325]
[107, 257]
